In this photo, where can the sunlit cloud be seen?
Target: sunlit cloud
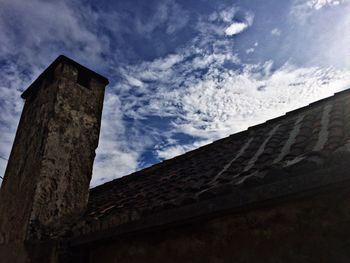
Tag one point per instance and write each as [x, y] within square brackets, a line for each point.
[226, 98]
[180, 78]
[318, 4]
[235, 28]
[114, 156]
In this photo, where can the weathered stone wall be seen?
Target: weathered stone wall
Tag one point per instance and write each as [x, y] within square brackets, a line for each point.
[22, 172]
[69, 152]
[309, 229]
[46, 182]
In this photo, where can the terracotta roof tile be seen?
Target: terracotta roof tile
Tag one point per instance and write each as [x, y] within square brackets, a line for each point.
[300, 142]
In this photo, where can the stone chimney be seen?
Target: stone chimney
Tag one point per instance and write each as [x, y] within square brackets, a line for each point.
[46, 182]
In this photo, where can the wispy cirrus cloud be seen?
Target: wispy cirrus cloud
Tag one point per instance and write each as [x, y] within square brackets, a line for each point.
[33, 34]
[37, 27]
[11, 105]
[321, 26]
[178, 80]
[303, 9]
[116, 156]
[168, 14]
[225, 100]
[225, 22]
[318, 4]
[208, 93]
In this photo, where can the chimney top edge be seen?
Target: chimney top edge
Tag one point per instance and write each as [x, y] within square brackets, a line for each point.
[51, 67]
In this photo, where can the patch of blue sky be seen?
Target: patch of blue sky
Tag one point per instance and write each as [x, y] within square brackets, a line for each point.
[182, 72]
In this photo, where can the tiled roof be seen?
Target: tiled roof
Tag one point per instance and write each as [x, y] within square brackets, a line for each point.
[261, 162]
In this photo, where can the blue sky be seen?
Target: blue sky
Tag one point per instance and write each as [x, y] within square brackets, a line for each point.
[182, 73]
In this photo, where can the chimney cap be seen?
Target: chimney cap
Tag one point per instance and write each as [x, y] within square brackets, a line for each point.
[61, 58]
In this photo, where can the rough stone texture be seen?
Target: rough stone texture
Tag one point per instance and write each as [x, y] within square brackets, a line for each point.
[307, 229]
[46, 182]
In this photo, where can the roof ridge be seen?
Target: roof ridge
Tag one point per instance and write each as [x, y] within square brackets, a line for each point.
[164, 163]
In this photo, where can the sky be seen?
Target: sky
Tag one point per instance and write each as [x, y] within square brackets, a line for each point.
[183, 73]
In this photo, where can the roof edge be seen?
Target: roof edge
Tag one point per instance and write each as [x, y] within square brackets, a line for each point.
[241, 200]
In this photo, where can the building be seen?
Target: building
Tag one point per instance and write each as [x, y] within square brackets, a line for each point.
[277, 192]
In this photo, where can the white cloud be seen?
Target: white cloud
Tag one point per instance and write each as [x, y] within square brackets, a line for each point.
[167, 14]
[238, 27]
[224, 100]
[203, 87]
[336, 51]
[133, 81]
[208, 100]
[229, 101]
[276, 32]
[170, 152]
[302, 10]
[167, 62]
[323, 33]
[12, 82]
[227, 15]
[250, 50]
[31, 35]
[37, 27]
[318, 4]
[178, 149]
[114, 157]
[235, 28]
[224, 23]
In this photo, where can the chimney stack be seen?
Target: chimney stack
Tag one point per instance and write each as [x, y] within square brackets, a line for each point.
[46, 182]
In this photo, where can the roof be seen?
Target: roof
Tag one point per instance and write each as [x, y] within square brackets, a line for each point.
[48, 71]
[293, 153]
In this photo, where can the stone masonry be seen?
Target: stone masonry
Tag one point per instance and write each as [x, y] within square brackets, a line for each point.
[46, 182]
